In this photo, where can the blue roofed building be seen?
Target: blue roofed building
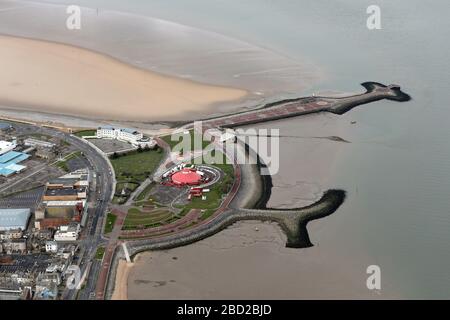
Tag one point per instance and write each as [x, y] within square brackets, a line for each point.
[9, 163]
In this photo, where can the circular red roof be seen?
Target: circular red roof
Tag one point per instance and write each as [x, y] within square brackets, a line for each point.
[186, 176]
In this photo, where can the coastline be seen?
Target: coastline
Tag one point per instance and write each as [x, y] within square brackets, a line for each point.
[84, 83]
[121, 281]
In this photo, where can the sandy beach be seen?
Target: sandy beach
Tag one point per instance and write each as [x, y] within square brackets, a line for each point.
[121, 287]
[62, 79]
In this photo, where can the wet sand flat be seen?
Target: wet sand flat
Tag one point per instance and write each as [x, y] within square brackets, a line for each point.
[170, 47]
[57, 78]
[244, 263]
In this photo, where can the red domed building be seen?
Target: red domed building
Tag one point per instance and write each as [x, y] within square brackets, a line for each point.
[186, 177]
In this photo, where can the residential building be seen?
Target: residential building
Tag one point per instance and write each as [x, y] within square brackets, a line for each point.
[68, 233]
[15, 246]
[51, 247]
[11, 234]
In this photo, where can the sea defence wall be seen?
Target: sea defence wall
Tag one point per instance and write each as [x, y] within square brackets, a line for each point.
[292, 221]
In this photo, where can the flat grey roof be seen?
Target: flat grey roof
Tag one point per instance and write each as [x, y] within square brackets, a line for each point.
[14, 218]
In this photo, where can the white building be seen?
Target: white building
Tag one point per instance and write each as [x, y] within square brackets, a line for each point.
[68, 233]
[132, 136]
[51, 246]
[30, 142]
[11, 234]
[6, 146]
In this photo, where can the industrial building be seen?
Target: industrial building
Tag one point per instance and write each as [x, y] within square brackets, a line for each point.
[45, 153]
[6, 146]
[64, 200]
[30, 142]
[65, 194]
[9, 162]
[13, 219]
[75, 179]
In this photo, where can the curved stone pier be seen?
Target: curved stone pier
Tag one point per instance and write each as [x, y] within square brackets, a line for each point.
[300, 106]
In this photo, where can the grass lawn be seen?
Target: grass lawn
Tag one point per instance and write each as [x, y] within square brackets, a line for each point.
[136, 166]
[119, 200]
[127, 188]
[207, 213]
[85, 133]
[127, 185]
[63, 163]
[100, 252]
[143, 195]
[137, 219]
[110, 221]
